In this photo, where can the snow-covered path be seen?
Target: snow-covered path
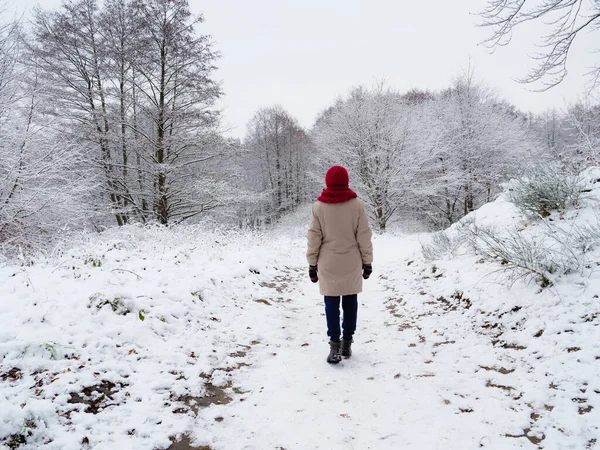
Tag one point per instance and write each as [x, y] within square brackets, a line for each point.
[296, 400]
[142, 340]
[408, 385]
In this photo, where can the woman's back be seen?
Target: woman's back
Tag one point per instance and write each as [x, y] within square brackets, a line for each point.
[340, 239]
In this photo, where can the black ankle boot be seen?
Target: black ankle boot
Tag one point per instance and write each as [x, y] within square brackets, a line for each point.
[346, 348]
[334, 352]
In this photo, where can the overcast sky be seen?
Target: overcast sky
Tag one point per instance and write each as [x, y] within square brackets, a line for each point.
[303, 54]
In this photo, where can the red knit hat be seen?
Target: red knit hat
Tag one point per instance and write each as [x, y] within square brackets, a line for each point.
[337, 176]
[337, 191]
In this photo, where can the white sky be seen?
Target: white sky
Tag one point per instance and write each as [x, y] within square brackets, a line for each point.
[302, 54]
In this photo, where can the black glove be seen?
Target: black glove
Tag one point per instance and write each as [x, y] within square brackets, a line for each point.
[312, 273]
[367, 271]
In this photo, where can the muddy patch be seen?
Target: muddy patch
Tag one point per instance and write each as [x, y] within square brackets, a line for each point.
[280, 285]
[213, 395]
[185, 443]
[13, 374]
[263, 301]
[96, 397]
[535, 440]
[499, 386]
[508, 345]
[501, 370]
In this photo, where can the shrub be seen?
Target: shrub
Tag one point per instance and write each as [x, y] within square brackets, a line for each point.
[556, 251]
[557, 248]
[521, 257]
[120, 305]
[543, 189]
[447, 242]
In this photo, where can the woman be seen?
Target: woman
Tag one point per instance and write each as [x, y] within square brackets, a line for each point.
[339, 252]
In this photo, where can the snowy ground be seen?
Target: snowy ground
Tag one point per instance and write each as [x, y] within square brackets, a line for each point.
[231, 350]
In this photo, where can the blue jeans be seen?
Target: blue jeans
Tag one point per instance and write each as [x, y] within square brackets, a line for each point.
[332, 312]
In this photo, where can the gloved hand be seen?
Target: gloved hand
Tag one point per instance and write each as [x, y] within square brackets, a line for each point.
[312, 273]
[367, 271]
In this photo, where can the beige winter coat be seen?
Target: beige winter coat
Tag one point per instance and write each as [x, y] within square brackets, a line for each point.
[339, 243]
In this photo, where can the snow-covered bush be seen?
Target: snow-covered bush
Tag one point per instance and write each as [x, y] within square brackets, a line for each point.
[584, 238]
[539, 256]
[520, 257]
[119, 305]
[540, 251]
[447, 242]
[543, 189]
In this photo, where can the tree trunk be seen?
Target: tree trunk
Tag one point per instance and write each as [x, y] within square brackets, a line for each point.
[140, 174]
[161, 206]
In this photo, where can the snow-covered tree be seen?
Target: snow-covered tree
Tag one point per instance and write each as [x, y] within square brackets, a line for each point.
[582, 126]
[276, 155]
[132, 81]
[434, 157]
[566, 19]
[480, 140]
[377, 135]
[175, 66]
[572, 137]
[37, 176]
[68, 50]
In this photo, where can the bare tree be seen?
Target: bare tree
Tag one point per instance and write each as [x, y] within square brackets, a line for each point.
[37, 176]
[567, 19]
[68, 51]
[118, 42]
[175, 65]
[276, 153]
[132, 79]
[581, 127]
[374, 134]
[479, 141]
[424, 157]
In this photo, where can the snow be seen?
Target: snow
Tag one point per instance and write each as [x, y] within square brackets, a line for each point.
[231, 350]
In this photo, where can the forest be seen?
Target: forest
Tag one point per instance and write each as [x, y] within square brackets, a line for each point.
[109, 116]
[157, 287]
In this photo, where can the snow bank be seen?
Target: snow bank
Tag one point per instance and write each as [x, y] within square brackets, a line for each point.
[138, 336]
[101, 346]
[545, 351]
